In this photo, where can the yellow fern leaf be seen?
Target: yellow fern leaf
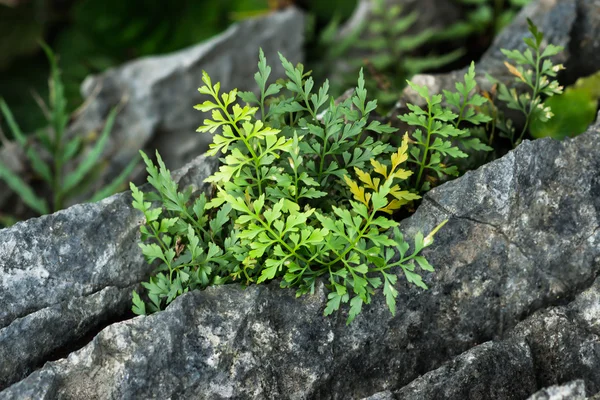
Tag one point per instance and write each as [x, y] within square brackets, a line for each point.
[513, 70]
[392, 206]
[402, 154]
[379, 167]
[403, 195]
[366, 179]
[402, 174]
[363, 176]
[357, 191]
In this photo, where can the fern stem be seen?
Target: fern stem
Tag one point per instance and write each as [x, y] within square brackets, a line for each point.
[353, 243]
[423, 162]
[256, 159]
[534, 102]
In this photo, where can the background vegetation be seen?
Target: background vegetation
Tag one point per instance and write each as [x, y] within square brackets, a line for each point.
[91, 36]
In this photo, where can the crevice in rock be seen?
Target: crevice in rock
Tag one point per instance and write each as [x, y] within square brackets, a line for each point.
[26, 312]
[78, 344]
[476, 221]
[107, 318]
[566, 297]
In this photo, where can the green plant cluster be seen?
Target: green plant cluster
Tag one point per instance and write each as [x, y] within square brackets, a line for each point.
[440, 134]
[534, 73]
[575, 110]
[454, 128]
[306, 187]
[50, 152]
[286, 184]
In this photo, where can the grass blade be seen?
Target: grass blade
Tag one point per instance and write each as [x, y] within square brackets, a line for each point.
[37, 163]
[91, 159]
[24, 191]
[113, 186]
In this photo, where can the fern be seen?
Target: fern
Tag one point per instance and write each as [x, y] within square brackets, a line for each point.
[286, 182]
[439, 137]
[532, 70]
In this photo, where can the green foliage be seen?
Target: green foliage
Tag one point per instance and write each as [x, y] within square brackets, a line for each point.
[190, 255]
[484, 17]
[533, 70]
[574, 110]
[282, 207]
[438, 140]
[93, 36]
[52, 151]
[390, 51]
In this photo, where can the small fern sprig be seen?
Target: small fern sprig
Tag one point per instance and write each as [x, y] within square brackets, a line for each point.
[244, 141]
[187, 244]
[362, 253]
[535, 77]
[439, 135]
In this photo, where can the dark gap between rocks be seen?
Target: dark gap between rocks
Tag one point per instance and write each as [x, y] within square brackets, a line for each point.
[63, 352]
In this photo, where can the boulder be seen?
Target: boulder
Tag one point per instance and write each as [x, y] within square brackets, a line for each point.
[516, 265]
[160, 93]
[65, 276]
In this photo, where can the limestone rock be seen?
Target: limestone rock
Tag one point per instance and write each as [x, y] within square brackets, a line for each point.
[65, 276]
[491, 370]
[574, 390]
[522, 237]
[161, 91]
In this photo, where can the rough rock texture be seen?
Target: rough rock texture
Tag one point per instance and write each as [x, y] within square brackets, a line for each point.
[574, 390]
[566, 336]
[66, 275]
[574, 24]
[162, 90]
[522, 237]
[491, 370]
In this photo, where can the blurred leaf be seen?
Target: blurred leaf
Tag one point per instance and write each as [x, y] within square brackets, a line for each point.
[114, 186]
[23, 190]
[90, 159]
[574, 110]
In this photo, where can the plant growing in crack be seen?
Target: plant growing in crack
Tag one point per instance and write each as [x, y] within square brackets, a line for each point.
[285, 185]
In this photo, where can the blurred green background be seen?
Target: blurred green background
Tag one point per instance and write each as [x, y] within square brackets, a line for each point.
[90, 36]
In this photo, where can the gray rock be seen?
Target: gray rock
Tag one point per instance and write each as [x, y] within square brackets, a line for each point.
[565, 341]
[574, 390]
[387, 395]
[66, 275]
[161, 91]
[491, 370]
[522, 236]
